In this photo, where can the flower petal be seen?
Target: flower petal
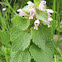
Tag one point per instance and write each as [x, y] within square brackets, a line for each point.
[32, 13]
[21, 13]
[50, 19]
[30, 3]
[19, 10]
[50, 11]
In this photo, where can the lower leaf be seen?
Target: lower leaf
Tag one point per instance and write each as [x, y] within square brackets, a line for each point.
[40, 55]
[19, 56]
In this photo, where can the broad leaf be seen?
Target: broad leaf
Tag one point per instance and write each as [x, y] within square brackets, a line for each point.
[41, 36]
[42, 15]
[21, 22]
[20, 39]
[40, 55]
[20, 56]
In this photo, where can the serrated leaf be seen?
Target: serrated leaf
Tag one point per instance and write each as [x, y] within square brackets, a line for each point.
[21, 22]
[20, 39]
[40, 55]
[42, 15]
[19, 56]
[41, 36]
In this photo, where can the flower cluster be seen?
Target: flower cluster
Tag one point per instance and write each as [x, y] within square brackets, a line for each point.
[32, 13]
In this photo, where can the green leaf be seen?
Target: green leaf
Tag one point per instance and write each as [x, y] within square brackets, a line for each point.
[26, 9]
[42, 15]
[40, 55]
[20, 39]
[41, 36]
[20, 56]
[36, 1]
[21, 22]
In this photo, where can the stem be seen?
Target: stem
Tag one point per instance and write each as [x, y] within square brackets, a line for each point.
[53, 16]
[54, 58]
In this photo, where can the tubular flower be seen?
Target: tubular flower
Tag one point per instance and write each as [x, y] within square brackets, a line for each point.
[36, 23]
[21, 13]
[41, 5]
[32, 13]
[30, 10]
[30, 4]
[50, 11]
[47, 23]
[49, 17]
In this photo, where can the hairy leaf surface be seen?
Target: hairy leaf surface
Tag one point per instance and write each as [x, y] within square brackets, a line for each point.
[41, 36]
[19, 56]
[40, 55]
[20, 39]
[21, 22]
[42, 15]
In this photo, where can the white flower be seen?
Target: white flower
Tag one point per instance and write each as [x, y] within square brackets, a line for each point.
[3, 9]
[50, 19]
[41, 5]
[50, 11]
[47, 23]
[32, 13]
[36, 23]
[30, 3]
[21, 13]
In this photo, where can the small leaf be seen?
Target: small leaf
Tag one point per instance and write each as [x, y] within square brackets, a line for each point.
[42, 15]
[21, 22]
[26, 9]
[20, 56]
[20, 39]
[41, 36]
[36, 1]
[41, 56]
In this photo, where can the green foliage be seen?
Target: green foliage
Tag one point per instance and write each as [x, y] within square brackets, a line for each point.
[20, 39]
[26, 9]
[41, 36]
[22, 3]
[35, 1]
[4, 38]
[19, 56]
[21, 22]
[42, 15]
[2, 21]
[40, 55]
